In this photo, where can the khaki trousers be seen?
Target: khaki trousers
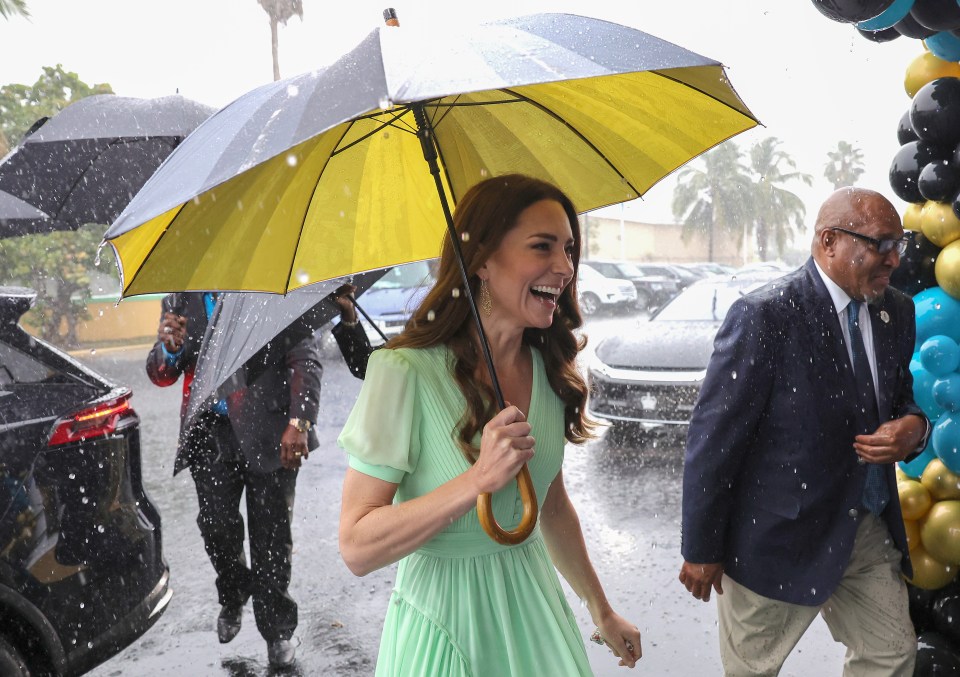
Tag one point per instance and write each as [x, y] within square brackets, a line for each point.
[868, 613]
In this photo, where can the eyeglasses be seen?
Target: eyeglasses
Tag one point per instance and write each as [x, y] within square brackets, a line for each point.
[884, 246]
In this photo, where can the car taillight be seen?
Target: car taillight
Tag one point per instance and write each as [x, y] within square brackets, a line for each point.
[96, 421]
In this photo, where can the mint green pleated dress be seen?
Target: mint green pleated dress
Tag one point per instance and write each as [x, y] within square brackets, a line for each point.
[462, 605]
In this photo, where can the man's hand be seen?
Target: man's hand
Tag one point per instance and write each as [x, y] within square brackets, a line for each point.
[172, 332]
[699, 578]
[893, 441]
[293, 448]
[343, 296]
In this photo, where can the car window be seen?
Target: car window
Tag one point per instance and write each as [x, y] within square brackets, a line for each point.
[706, 303]
[587, 273]
[607, 269]
[402, 277]
[629, 270]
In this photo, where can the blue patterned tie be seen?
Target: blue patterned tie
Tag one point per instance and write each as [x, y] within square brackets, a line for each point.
[875, 492]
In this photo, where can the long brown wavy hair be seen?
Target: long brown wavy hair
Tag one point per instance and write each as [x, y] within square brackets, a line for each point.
[485, 214]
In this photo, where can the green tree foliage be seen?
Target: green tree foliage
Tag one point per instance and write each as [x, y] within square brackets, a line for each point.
[279, 11]
[709, 197]
[11, 8]
[57, 265]
[776, 212]
[844, 165]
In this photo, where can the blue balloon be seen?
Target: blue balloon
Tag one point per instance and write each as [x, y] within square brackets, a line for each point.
[891, 15]
[944, 45]
[923, 382]
[940, 355]
[946, 441]
[916, 467]
[946, 392]
[937, 313]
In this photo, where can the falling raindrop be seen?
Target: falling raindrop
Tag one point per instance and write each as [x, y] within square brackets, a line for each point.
[100, 528]
[430, 315]
[292, 160]
[455, 292]
[93, 351]
[293, 90]
[386, 135]
[733, 375]
[385, 103]
[483, 172]
[303, 277]
[465, 236]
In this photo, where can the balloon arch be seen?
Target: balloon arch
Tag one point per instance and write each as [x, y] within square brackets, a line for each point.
[925, 173]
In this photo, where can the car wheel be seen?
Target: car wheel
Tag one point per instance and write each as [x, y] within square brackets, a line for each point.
[589, 304]
[643, 299]
[11, 662]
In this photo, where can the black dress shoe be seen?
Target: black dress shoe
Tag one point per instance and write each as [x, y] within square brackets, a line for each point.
[228, 623]
[280, 653]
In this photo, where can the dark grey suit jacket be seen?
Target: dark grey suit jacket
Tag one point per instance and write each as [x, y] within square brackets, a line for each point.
[772, 486]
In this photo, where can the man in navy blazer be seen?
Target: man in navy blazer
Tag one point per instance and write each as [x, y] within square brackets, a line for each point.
[782, 514]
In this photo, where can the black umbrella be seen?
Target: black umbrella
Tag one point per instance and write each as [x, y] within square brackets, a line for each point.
[17, 217]
[87, 162]
[243, 323]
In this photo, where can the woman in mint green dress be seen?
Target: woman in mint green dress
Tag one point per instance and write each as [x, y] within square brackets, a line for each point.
[424, 440]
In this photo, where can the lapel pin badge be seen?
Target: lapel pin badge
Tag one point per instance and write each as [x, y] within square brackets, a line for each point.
[885, 316]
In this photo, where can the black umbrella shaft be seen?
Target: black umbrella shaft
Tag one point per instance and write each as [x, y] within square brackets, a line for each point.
[425, 134]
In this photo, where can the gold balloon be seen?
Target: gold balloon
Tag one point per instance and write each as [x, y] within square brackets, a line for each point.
[947, 269]
[938, 222]
[911, 216]
[913, 534]
[928, 573]
[901, 476]
[914, 499]
[940, 532]
[925, 68]
[940, 481]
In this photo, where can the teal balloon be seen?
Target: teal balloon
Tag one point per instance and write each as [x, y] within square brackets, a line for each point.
[937, 313]
[916, 467]
[888, 17]
[923, 382]
[946, 441]
[944, 45]
[940, 355]
[946, 392]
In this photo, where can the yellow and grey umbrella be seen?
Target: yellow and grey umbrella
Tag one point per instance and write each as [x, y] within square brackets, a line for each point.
[323, 174]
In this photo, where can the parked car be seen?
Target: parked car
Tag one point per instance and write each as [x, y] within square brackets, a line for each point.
[653, 289]
[82, 573]
[681, 276]
[597, 291]
[391, 300]
[651, 377]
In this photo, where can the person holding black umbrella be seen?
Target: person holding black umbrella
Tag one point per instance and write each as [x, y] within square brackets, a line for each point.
[252, 442]
[464, 604]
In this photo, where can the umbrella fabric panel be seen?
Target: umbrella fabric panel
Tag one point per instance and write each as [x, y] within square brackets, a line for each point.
[20, 218]
[35, 174]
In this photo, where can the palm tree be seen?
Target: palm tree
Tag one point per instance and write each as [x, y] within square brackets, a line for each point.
[844, 166]
[279, 12]
[10, 8]
[709, 195]
[777, 212]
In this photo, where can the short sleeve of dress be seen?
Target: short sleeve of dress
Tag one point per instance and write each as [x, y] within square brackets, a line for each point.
[381, 434]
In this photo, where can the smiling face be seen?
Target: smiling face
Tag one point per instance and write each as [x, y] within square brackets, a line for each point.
[531, 267]
[855, 264]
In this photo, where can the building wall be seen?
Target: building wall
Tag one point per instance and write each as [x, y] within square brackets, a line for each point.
[134, 320]
[634, 241]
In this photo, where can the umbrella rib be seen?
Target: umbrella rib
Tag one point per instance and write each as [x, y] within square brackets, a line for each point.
[747, 115]
[366, 136]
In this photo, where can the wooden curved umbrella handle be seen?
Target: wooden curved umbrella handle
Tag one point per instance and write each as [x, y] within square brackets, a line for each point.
[528, 496]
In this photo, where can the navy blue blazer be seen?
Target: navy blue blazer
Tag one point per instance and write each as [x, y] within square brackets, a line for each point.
[771, 484]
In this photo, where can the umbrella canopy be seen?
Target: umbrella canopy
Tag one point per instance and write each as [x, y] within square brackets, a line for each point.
[85, 163]
[242, 324]
[19, 218]
[322, 174]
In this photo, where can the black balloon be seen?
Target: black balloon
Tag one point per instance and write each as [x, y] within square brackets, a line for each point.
[937, 15]
[936, 656]
[907, 163]
[851, 11]
[939, 181]
[914, 274]
[946, 616]
[905, 133]
[935, 111]
[880, 36]
[921, 600]
[911, 28]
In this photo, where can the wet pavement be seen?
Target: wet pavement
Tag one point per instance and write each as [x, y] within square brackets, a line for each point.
[627, 495]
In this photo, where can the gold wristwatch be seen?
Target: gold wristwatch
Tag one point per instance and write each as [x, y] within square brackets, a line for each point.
[301, 424]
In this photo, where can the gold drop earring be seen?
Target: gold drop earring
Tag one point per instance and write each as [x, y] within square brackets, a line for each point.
[486, 303]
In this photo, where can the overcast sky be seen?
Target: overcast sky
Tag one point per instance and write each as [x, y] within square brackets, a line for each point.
[810, 81]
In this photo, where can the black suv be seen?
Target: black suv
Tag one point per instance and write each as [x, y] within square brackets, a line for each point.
[653, 289]
[82, 573]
